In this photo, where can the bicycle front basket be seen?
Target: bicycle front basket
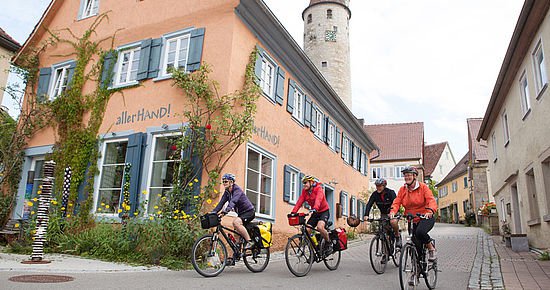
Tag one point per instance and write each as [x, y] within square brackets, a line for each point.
[296, 219]
[209, 220]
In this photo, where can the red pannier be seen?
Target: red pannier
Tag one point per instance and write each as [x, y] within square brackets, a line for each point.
[295, 219]
[339, 239]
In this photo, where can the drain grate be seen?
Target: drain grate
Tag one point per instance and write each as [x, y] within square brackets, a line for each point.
[41, 279]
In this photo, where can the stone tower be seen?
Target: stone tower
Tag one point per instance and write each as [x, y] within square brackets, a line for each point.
[326, 42]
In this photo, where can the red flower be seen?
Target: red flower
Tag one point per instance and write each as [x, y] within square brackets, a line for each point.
[208, 126]
[174, 147]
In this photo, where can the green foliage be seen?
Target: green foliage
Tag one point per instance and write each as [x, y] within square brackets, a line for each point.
[351, 235]
[544, 256]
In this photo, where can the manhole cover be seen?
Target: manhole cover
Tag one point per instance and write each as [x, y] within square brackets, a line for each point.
[41, 278]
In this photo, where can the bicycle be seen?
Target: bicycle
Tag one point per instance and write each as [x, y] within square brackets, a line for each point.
[209, 255]
[414, 263]
[302, 249]
[382, 246]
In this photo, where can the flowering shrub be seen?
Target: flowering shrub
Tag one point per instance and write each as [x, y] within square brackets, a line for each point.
[486, 208]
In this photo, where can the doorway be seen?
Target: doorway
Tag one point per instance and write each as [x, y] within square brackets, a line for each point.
[515, 209]
[329, 194]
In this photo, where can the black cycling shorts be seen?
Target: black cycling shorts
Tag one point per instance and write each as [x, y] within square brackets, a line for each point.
[247, 216]
[318, 216]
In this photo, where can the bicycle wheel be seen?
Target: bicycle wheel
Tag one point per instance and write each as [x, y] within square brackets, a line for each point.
[209, 256]
[431, 275]
[396, 255]
[407, 268]
[256, 260]
[333, 260]
[298, 255]
[378, 255]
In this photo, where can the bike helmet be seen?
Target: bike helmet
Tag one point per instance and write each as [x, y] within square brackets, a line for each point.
[409, 169]
[381, 181]
[308, 178]
[353, 221]
[229, 176]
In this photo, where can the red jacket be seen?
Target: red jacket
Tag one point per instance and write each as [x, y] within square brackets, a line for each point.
[316, 199]
[420, 200]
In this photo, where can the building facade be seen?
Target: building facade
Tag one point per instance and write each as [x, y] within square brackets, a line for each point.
[478, 172]
[454, 193]
[517, 129]
[8, 47]
[438, 161]
[301, 125]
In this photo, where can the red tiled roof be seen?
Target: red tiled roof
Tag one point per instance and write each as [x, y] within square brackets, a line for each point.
[7, 42]
[478, 149]
[403, 141]
[432, 154]
[460, 168]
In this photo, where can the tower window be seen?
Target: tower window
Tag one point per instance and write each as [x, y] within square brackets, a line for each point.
[335, 28]
[309, 18]
[329, 14]
[324, 64]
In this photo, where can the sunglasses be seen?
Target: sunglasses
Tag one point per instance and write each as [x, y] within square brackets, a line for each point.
[225, 181]
[304, 182]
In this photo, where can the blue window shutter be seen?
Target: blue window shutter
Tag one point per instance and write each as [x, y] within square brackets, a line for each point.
[108, 66]
[338, 139]
[154, 58]
[325, 129]
[134, 155]
[290, 99]
[258, 65]
[286, 185]
[43, 83]
[313, 124]
[195, 49]
[351, 152]
[360, 156]
[344, 138]
[307, 111]
[280, 91]
[72, 66]
[144, 54]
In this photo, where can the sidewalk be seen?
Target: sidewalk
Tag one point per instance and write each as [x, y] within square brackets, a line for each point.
[522, 270]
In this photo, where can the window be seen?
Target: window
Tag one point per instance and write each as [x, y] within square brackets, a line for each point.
[35, 180]
[541, 77]
[353, 206]
[319, 123]
[494, 146]
[546, 180]
[376, 172]
[398, 169]
[364, 164]
[345, 149]
[329, 14]
[176, 52]
[324, 64]
[267, 77]
[532, 195]
[298, 111]
[88, 8]
[465, 182]
[505, 128]
[330, 135]
[294, 186]
[344, 202]
[454, 186]
[355, 157]
[309, 18]
[443, 191]
[503, 210]
[110, 176]
[524, 95]
[259, 180]
[127, 67]
[60, 81]
[165, 160]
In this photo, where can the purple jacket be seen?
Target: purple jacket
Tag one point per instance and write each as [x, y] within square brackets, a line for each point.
[237, 200]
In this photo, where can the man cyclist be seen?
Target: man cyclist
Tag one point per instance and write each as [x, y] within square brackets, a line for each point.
[312, 192]
[416, 197]
[239, 202]
[383, 197]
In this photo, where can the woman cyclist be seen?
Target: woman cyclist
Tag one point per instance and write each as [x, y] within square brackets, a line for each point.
[416, 197]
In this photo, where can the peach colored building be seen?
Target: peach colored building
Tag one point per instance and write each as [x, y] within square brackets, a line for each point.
[301, 124]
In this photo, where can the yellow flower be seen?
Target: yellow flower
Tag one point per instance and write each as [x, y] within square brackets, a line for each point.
[195, 180]
[144, 192]
[107, 206]
[35, 199]
[136, 213]
[62, 208]
[70, 204]
[159, 195]
[159, 212]
[16, 225]
[175, 217]
[190, 184]
[156, 207]
[196, 196]
[151, 218]
[127, 207]
[163, 198]
[215, 191]
[33, 231]
[32, 212]
[54, 202]
[176, 211]
[209, 201]
[119, 210]
[102, 204]
[68, 215]
[30, 203]
[39, 192]
[33, 238]
[98, 209]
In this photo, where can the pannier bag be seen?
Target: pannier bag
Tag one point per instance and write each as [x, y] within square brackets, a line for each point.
[209, 220]
[339, 239]
[295, 219]
[266, 233]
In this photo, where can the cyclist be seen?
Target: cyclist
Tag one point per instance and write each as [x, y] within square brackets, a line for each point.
[312, 192]
[239, 202]
[383, 197]
[416, 197]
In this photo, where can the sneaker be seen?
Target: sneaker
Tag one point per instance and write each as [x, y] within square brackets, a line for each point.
[249, 245]
[432, 255]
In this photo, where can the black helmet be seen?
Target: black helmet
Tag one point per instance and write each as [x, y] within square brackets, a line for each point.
[410, 169]
[381, 181]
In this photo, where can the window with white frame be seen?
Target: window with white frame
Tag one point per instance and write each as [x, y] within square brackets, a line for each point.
[89, 8]
[298, 111]
[398, 173]
[344, 201]
[127, 67]
[541, 77]
[353, 206]
[318, 123]
[524, 95]
[110, 176]
[176, 52]
[376, 171]
[294, 186]
[505, 128]
[454, 186]
[330, 136]
[494, 146]
[364, 166]
[345, 149]
[267, 77]
[259, 180]
[60, 81]
[443, 191]
[164, 161]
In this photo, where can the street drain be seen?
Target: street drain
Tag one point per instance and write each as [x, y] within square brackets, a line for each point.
[41, 279]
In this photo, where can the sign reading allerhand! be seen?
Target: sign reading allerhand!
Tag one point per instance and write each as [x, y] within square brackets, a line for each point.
[143, 115]
[263, 133]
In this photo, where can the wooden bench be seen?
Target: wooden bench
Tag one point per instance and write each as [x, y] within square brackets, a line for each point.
[13, 230]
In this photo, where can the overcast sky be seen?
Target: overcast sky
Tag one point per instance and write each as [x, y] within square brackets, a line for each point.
[434, 61]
